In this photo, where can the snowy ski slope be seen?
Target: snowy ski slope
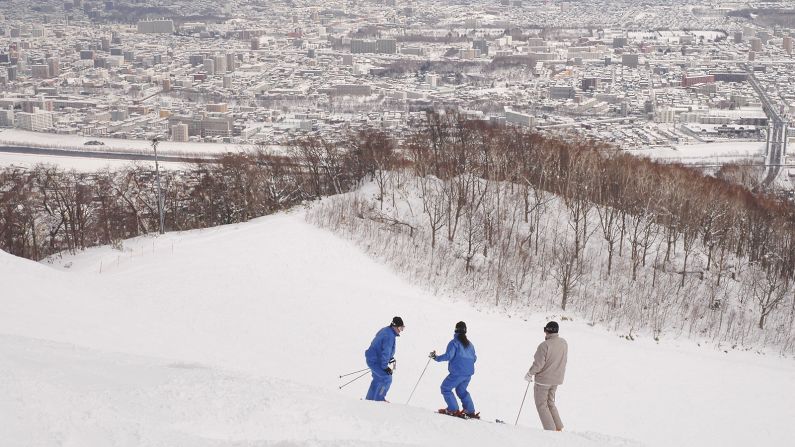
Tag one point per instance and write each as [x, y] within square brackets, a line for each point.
[236, 336]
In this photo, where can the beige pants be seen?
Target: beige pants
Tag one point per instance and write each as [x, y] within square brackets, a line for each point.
[545, 404]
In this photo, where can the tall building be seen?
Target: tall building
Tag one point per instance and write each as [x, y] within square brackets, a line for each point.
[756, 44]
[156, 26]
[38, 31]
[221, 107]
[230, 62]
[787, 43]
[688, 80]
[119, 115]
[6, 118]
[562, 92]
[738, 36]
[54, 65]
[521, 119]
[39, 71]
[209, 67]
[255, 43]
[35, 121]
[363, 46]
[629, 60]
[179, 132]
[220, 63]
[481, 45]
[196, 59]
[205, 125]
[589, 84]
[386, 46]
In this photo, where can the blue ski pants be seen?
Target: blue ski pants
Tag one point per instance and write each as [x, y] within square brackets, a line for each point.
[459, 383]
[380, 384]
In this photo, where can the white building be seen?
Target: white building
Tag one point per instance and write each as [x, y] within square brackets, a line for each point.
[36, 121]
[664, 115]
[209, 66]
[521, 119]
[219, 63]
[179, 132]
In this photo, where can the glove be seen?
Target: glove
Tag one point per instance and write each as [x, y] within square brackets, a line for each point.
[393, 362]
[432, 355]
[528, 377]
[388, 371]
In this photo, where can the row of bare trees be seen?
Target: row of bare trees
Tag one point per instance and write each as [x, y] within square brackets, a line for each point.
[46, 210]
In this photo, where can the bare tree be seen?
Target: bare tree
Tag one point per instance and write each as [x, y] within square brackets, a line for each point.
[768, 288]
[566, 270]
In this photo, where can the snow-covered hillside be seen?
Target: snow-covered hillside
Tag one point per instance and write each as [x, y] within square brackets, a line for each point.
[237, 335]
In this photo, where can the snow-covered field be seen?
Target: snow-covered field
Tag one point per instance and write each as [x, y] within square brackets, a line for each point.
[706, 153]
[237, 335]
[81, 164]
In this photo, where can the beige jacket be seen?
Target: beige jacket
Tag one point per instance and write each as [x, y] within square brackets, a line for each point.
[549, 363]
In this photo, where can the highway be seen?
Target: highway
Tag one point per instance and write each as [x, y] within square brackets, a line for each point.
[777, 130]
[107, 155]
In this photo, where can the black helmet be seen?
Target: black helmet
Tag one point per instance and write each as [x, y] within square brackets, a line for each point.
[551, 328]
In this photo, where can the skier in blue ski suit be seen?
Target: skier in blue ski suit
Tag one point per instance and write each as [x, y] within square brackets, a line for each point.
[461, 357]
[379, 355]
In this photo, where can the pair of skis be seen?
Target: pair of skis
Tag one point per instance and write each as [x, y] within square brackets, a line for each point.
[464, 416]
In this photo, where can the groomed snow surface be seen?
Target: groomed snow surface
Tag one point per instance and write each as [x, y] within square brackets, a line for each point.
[236, 336]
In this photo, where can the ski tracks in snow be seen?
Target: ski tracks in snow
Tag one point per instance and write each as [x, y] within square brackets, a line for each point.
[57, 394]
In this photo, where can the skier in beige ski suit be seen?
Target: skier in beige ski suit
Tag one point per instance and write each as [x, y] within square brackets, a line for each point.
[548, 369]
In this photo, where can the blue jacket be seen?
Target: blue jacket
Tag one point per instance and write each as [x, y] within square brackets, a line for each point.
[462, 360]
[382, 348]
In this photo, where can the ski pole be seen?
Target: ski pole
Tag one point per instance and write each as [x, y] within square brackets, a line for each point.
[418, 381]
[352, 373]
[354, 380]
[522, 405]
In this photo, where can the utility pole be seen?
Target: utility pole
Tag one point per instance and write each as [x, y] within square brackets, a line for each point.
[155, 142]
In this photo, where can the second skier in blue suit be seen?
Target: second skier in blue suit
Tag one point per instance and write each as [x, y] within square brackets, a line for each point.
[461, 358]
[379, 356]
